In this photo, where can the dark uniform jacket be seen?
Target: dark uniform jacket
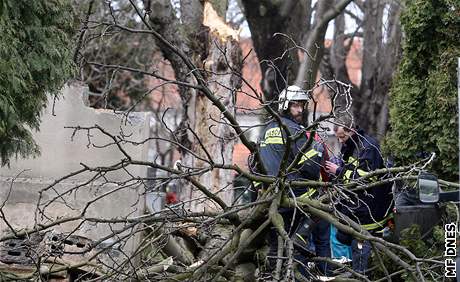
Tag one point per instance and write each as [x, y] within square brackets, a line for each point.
[273, 143]
[371, 208]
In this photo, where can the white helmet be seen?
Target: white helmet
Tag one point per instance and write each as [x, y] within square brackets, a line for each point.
[291, 93]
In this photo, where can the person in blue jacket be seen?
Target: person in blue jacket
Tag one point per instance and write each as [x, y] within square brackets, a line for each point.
[273, 145]
[372, 208]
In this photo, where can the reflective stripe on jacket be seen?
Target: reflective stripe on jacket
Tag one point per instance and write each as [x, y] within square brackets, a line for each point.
[372, 208]
[272, 147]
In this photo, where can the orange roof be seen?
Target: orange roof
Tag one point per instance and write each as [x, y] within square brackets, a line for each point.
[353, 62]
[240, 155]
[246, 98]
[163, 95]
[166, 95]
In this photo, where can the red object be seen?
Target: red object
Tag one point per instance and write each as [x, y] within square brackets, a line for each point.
[324, 174]
[171, 198]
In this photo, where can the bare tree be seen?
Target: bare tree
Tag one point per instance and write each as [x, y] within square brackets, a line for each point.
[176, 243]
[226, 241]
[304, 26]
[380, 31]
[211, 46]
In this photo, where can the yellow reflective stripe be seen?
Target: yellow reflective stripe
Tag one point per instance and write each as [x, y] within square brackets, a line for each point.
[308, 155]
[376, 225]
[361, 173]
[273, 132]
[353, 161]
[274, 140]
[272, 136]
[301, 238]
[348, 175]
[256, 183]
[308, 194]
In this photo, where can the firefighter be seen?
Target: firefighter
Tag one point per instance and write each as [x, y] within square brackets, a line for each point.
[371, 208]
[273, 145]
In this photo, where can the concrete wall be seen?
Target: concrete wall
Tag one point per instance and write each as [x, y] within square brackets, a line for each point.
[61, 154]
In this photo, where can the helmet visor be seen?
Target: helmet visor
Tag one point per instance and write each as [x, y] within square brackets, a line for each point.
[299, 96]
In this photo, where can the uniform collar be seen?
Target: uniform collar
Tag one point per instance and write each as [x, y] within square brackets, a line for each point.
[287, 116]
[355, 138]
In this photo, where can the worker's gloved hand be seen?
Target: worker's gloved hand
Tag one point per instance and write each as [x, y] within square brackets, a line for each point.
[334, 167]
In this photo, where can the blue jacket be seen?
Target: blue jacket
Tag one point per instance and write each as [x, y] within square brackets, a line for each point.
[273, 145]
[372, 208]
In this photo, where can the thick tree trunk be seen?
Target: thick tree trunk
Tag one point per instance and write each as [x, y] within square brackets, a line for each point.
[390, 59]
[314, 44]
[210, 126]
[372, 41]
[380, 58]
[333, 65]
[265, 19]
[213, 48]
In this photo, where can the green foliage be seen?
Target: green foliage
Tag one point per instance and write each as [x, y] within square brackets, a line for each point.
[411, 238]
[427, 248]
[431, 247]
[35, 61]
[423, 107]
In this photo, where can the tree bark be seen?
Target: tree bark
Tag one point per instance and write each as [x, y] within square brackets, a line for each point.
[214, 49]
[265, 19]
[333, 65]
[373, 12]
[217, 137]
[327, 11]
[380, 58]
[381, 55]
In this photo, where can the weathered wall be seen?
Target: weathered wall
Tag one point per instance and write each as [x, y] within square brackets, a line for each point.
[61, 154]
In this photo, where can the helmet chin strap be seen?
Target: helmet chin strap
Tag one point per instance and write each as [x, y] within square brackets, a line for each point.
[305, 116]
